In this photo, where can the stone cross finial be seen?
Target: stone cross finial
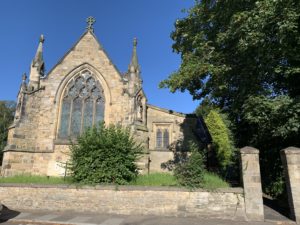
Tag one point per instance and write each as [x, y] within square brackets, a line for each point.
[135, 42]
[42, 39]
[90, 21]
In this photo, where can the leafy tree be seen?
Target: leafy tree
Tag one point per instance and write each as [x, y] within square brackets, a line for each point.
[105, 155]
[190, 172]
[244, 57]
[233, 49]
[7, 109]
[205, 107]
[274, 124]
[222, 138]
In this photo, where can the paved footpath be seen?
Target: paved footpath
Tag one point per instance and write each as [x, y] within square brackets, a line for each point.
[10, 217]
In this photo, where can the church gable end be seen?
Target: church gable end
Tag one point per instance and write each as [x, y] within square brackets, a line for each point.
[81, 90]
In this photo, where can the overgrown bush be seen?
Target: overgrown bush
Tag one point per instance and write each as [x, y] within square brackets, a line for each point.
[222, 138]
[190, 173]
[105, 155]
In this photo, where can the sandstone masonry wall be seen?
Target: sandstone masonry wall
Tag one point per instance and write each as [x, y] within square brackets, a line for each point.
[227, 203]
[180, 132]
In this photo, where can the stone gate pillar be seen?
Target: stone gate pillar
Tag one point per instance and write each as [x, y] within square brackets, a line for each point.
[250, 172]
[291, 163]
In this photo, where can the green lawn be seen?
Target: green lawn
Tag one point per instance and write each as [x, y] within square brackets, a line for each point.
[156, 179]
[27, 179]
[211, 181]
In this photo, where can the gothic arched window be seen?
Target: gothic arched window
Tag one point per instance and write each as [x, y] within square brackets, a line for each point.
[82, 105]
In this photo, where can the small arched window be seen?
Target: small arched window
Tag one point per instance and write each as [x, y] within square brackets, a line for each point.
[82, 105]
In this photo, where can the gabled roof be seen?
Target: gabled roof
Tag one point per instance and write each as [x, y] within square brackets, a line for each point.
[167, 110]
[72, 48]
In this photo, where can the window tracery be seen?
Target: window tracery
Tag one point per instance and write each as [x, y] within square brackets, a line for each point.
[82, 105]
[158, 138]
[166, 138]
[162, 138]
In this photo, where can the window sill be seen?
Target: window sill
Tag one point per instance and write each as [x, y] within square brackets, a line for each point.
[64, 141]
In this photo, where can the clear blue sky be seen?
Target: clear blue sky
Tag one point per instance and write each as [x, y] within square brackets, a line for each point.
[117, 22]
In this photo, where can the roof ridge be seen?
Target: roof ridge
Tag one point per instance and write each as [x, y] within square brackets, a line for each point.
[72, 48]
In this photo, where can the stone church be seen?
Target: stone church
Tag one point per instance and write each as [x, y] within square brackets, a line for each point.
[83, 88]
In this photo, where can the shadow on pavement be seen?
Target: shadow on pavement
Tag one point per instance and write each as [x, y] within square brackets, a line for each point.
[275, 212]
[7, 214]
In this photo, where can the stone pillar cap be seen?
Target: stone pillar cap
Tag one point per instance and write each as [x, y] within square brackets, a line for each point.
[249, 150]
[291, 150]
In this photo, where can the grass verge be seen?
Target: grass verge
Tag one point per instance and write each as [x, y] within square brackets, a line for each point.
[155, 179]
[211, 181]
[27, 179]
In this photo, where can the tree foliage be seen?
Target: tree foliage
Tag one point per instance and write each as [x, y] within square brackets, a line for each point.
[105, 155]
[222, 138]
[273, 124]
[233, 49]
[276, 118]
[7, 109]
[243, 56]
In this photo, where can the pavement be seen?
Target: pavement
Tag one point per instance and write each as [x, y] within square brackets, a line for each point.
[11, 217]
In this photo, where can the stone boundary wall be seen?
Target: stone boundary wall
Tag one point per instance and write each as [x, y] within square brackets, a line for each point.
[221, 203]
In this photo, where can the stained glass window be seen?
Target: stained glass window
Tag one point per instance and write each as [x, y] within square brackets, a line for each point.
[76, 117]
[65, 116]
[82, 105]
[99, 110]
[88, 113]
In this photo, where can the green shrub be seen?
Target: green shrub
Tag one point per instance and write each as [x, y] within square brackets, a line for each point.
[105, 155]
[222, 138]
[191, 172]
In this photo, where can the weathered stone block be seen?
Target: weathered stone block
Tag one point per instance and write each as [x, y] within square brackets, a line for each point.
[250, 171]
[291, 160]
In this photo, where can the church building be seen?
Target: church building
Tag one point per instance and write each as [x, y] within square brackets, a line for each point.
[83, 88]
